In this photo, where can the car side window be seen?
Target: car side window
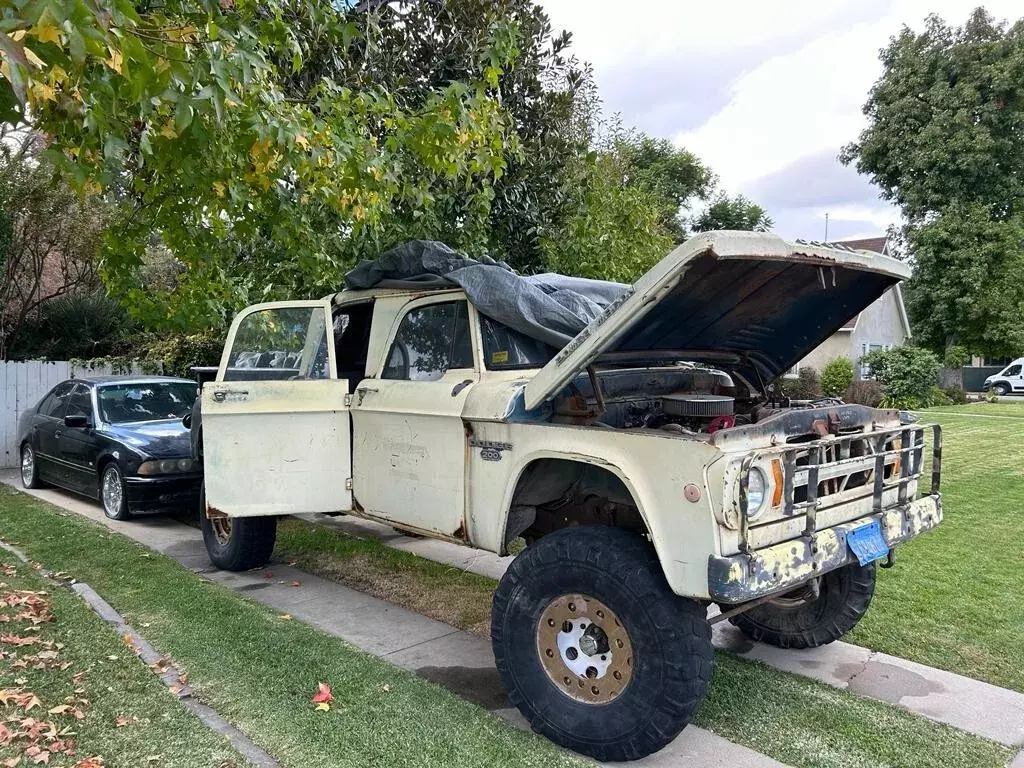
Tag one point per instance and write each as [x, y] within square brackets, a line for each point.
[79, 402]
[1013, 370]
[55, 403]
[430, 341]
[280, 343]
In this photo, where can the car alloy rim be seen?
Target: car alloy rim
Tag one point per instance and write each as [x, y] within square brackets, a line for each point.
[584, 649]
[112, 492]
[28, 465]
[221, 529]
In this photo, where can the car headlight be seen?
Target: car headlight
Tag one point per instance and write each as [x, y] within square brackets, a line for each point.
[757, 493]
[167, 467]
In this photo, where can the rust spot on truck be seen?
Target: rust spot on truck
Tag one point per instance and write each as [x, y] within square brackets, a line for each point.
[212, 513]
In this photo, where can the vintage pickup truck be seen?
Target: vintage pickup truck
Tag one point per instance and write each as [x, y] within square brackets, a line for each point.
[649, 465]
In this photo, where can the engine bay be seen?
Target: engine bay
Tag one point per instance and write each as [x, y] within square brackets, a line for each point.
[684, 399]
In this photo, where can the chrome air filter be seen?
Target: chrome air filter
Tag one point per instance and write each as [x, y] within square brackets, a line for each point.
[696, 405]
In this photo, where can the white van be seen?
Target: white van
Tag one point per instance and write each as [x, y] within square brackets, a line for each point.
[1010, 379]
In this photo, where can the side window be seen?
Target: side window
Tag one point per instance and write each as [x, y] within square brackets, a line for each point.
[506, 349]
[430, 341]
[56, 402]
[79, 402]
[280, 343]
[1013, 370]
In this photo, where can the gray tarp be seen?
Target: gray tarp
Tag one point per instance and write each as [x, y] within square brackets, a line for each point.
[549, 307]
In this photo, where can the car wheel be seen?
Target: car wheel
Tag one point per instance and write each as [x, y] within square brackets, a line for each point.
[112, 493]
[593, 646]
[800, 620]
[1001, 389]
[237, 543]
[29, 467]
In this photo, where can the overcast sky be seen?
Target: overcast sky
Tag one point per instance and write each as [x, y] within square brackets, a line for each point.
[766, 92]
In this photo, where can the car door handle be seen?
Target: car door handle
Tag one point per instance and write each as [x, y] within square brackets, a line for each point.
[58, 433]
[461, 386]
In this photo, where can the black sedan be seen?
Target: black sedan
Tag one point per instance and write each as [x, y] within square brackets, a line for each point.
[119, 440]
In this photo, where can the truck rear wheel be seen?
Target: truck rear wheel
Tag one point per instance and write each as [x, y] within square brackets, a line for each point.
[798, 620]
[237, 543]
[593, 646]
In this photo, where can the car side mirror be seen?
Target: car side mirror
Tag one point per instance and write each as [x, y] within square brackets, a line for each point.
[76, 421]
[186, 421]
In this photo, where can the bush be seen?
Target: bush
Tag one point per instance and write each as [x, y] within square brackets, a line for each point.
[908, 374]
[865, 392]
[836, 376]
[956, 395]
[806, 386]
[86, 325]
[177, 354]
[956, 357]
[938, 396]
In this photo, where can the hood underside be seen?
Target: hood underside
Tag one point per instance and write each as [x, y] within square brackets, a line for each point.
[749, 302]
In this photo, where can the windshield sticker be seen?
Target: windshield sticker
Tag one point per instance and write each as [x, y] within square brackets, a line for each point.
[499, 357]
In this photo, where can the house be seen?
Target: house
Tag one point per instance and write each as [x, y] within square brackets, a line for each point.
[882, 325]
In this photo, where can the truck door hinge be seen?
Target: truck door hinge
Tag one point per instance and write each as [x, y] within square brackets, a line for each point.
[348, 483]
[348, 401]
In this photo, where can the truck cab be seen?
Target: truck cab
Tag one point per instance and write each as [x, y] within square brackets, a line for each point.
[648, 464]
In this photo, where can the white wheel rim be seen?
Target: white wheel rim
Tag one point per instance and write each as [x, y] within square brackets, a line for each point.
[28, 465]
[112, 492]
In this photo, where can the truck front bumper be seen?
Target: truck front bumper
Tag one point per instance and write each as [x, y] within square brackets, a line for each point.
[783, 567]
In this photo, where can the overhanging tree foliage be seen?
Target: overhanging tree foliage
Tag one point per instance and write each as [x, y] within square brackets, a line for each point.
[944, 143]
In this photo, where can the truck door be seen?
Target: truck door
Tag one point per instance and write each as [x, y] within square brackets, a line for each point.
[410, 447]
[276, 432]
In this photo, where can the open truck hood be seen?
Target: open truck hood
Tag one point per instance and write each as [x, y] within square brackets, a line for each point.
[749, 302]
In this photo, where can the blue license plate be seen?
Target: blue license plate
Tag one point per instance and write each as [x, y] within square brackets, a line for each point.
[867, 543]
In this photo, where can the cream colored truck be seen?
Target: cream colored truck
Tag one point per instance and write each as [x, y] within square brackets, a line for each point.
[648, 465]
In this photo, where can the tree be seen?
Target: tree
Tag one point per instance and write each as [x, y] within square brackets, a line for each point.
[738, 212]
[943, 143]
[52, 238]
[213, 125]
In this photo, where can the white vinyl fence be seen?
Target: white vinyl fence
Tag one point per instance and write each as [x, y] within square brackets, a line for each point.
[23, 385]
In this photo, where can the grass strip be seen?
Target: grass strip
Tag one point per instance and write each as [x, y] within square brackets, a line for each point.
[259, 671]
[955, 601]
[93, 690]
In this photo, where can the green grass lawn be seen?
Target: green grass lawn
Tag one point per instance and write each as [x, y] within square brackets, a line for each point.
[92, 691]
[260, 671]
[955, 600]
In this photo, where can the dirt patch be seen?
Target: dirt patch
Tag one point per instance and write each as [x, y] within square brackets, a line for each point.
[465, 606]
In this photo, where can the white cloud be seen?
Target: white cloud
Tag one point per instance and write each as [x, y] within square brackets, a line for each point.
[808, 66]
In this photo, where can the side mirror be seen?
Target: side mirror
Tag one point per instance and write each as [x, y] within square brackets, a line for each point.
[77, 421]
[186, 421]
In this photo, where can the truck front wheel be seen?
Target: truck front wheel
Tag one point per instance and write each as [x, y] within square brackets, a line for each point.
[801, 620]
[593, 646]
[237, 543]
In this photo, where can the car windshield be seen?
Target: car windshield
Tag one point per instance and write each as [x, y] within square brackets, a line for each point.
[148, 401]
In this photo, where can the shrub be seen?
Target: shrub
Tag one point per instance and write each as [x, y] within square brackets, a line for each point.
[177, 354]
[85, 325]
[865, 392]
[956, 395]
[806, 386]
[956, 357]
[937, 396]
[907, 373]
[836, 376]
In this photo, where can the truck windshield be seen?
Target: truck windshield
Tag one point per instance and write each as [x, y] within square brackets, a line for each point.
[506, 349]
[149, 401]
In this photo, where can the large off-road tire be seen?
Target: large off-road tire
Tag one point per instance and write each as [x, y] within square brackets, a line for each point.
[237, 543]
[593, 646]
[792, 622]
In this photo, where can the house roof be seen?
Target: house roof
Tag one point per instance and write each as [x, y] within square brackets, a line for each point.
[851, 324]
[874, 244]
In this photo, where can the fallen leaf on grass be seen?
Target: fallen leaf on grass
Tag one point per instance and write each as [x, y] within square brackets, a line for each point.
[386, 688]
[90, 762]
[323, 698]
[285, 617]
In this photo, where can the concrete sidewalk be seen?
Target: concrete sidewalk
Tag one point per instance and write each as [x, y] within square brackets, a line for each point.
[461, 662]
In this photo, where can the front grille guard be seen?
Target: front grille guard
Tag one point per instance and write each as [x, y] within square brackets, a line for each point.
[911, 464]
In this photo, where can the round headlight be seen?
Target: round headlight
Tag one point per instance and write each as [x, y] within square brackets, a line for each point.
[757, 484]
[184, 465]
